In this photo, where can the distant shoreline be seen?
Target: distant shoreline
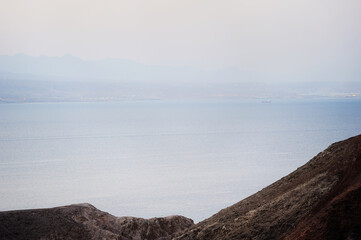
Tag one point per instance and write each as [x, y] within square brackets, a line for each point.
[260, 100]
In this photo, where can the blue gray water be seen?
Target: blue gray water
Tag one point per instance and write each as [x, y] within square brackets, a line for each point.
[157, 158]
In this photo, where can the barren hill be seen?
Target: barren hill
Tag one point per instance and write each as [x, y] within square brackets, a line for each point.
[320, 200]
[83, 221]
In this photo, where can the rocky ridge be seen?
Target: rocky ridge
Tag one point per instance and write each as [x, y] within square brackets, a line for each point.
[84, 221]
[320, 200]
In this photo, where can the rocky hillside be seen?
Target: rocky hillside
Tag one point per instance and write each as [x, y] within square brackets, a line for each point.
[83, 221]
[320, 200]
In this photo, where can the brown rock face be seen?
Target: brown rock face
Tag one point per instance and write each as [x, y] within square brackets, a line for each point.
[84, 221]
[320, 200]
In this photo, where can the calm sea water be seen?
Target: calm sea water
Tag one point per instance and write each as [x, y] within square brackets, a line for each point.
[157, 158]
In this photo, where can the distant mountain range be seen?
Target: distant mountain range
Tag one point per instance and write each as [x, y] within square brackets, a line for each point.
[70, 68]
[35, 79]
[320, 200]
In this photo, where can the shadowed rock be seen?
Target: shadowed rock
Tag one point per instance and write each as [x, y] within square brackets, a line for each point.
[83, 221]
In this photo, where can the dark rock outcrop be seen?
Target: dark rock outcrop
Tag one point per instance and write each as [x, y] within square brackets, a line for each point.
[320, 200]
[83, 221]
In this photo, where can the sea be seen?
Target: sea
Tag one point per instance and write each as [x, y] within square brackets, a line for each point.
[159, 158]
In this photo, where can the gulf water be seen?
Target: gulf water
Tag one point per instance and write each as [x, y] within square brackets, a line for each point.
[159, 158]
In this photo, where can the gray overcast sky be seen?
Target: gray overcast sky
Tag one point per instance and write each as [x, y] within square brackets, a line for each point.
[280, 36]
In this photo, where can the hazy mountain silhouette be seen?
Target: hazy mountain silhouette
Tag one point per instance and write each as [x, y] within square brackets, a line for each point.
[67, 78]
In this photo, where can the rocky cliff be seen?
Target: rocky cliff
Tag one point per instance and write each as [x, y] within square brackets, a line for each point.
[83, 221]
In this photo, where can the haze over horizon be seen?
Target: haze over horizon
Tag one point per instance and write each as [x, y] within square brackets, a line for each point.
[281, 40]
[167, 49]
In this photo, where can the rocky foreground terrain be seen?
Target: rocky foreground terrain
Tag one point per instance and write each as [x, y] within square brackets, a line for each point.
[83, 221]
[320, 200]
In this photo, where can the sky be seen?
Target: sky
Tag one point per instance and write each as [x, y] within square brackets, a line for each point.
[279, 37]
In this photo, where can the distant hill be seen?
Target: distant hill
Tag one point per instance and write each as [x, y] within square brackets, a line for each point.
[52, 79]
[70, 68]
[320, 200]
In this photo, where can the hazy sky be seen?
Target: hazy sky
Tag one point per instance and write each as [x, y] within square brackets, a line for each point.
[281, 36]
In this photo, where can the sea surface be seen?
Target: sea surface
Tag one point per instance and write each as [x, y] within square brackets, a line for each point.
[158, 158]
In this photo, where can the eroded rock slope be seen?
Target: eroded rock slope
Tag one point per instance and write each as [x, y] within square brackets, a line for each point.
[320, 200]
